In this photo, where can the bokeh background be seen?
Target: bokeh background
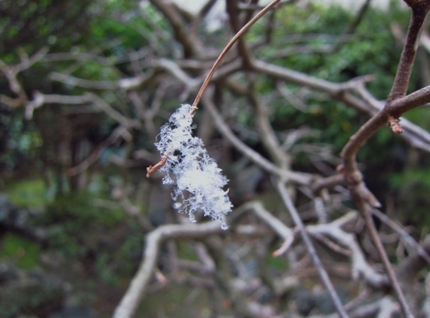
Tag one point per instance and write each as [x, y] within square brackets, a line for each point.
[84, 88]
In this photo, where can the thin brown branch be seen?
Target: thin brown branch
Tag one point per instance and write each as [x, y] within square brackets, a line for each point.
[151, 169]
[413, 135]
[228, 47]
[162, 162]
[236, 23]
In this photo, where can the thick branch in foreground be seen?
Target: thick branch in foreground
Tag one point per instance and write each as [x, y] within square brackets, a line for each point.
[361, 195]
[398, 91]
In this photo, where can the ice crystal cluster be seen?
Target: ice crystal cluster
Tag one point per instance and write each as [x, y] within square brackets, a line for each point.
[197, 180]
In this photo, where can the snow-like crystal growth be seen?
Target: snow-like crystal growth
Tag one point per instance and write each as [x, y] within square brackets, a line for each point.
[197, 180]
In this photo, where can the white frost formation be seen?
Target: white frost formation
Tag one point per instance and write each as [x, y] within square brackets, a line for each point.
[197, 180]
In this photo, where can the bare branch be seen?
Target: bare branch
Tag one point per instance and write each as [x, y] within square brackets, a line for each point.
[11, 72]
[297, 177]
[280, 187]
[280, 228]
[228, 47]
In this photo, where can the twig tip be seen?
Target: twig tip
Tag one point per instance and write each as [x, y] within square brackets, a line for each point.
[394, 123]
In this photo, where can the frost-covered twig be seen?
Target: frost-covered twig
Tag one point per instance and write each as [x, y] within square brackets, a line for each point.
[197, 180]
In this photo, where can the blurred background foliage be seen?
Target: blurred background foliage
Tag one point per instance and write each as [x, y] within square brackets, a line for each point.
[104, 239]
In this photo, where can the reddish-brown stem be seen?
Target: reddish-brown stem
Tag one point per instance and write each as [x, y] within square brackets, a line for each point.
[226, 49]
[151, 169]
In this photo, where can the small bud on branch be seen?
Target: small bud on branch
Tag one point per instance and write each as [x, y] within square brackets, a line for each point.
[395, 126]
